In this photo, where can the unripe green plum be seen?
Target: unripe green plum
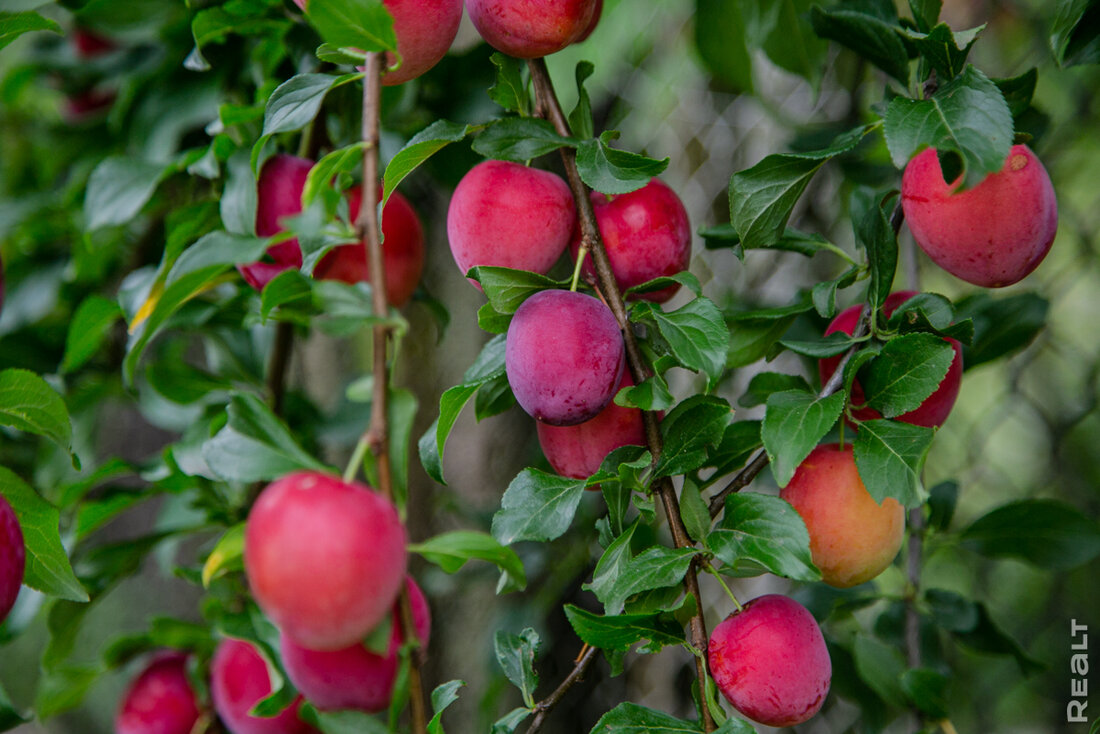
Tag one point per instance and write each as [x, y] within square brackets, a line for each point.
[324, 559]
[509, 215]
[13, 558]
[935, 408]
[354, 677]
[528, 29]
[577, 451]
[160, 700]
[278, 195]
[402, 250]
[770, 661]
[564, 355]
[991, 235]
[852, 537]
[646, 234]
[425, 30]
[238, 681]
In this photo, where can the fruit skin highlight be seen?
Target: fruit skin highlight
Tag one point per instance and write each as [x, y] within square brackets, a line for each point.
[354, 677]
[238, 681]
[646, 234]
[935, 408]
[324, 559]
[992, 235]
[852, 537]
[509, 215]
[564, 355]
[402, 250]
[577, 451]
[770, 661]
[425, 30]
[160, 700]
[13, 558]
[528, 29]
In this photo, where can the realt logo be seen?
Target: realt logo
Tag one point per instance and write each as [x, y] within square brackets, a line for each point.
[1079, 666]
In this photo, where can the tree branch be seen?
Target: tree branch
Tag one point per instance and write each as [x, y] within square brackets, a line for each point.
[548, 106]
[546, 705]
[377, 434]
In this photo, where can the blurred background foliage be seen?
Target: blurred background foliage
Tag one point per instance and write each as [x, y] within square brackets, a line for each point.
[695, 81]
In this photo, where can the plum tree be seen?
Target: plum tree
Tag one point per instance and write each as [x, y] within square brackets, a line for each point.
[564, 356]
[646, 233]
[354, 677]
[402, 250]
[577, 451]
[309, 521]
[279, 195]
[509, 215]
[238, 681]
[12, 557]
[770, 661]
[425, 30]
[935, 408]
[531, 28]
[160, 699]
[991, 235]
[852, 537]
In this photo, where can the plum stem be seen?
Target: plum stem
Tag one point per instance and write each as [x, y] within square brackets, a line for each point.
[376, 437]
[577, 268]
[722, 582]
[548, 107]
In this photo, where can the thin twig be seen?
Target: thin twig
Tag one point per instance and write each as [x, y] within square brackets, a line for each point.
[548, 106]
[280, 359]
[543, 707]
[377, 434]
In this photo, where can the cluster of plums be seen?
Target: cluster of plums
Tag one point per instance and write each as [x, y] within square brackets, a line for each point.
[325, 559]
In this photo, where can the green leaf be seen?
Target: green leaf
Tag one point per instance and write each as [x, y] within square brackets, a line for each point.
[869, 36]
[289, 291]
[420, 148]
[341, 722]
[47, 567]
[362, 24]
[926, 12]
[510, 90]
[450, 551]
[794, 423]
[654, 568]
[874, 233]
[228, 555]
[967, 115]
[1075, 33]
[13, 25]
[507, 724]
[216, 249]
[488, 366]
[764, 530]
[255, 445]
[721, 40]
[341, 160]
[827, 346]
[942, 500]
[880, 666]
[89, 327]
[516, 655]
[694, 511]
[752, 339]
[238, 200]
[29, 404]
[683, 278]
[612, 171]
[295, 102]
[1018, 91]
[625, 630]
[507, 289]
[762, 197]
[630, 718]
[927, 689]
[764, 384]
[688, 429]
[536, 506]
[791, 42]
[906, 372]
[988, 637]
[1002, 326]
[10, 716]
[652, 394]
[442, 697]
[1043, 532]
[519, 139]
[118, 189]
[580, 119]
[63, 689]
[890, 456]
[945, 51]
[695, 334]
